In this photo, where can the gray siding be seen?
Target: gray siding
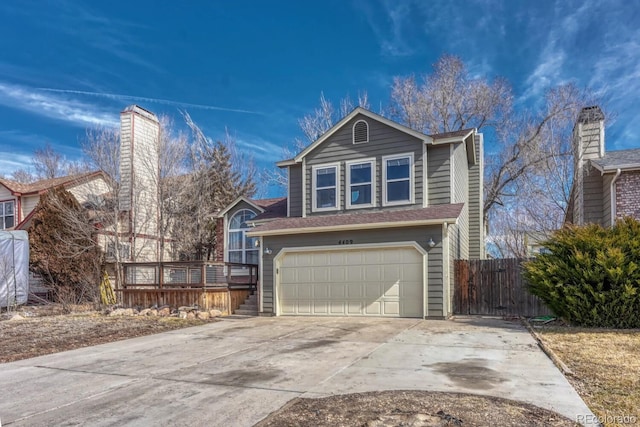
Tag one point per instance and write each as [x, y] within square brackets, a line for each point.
[461, 195]
[606, 199]
[592, 187]
[439, 174]
[295, 190]
[383, 141]
[420, 235]
[476, 202]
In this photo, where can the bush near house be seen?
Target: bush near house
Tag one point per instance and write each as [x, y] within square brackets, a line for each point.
[63, 249]
[591, 275]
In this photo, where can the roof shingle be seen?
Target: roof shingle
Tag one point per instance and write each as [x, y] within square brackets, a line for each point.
[623, 159]
[397, 218]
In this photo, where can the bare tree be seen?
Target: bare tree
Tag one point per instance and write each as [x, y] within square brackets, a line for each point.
[23, 176]
[217, 176]
[313, 126]
[530, 166]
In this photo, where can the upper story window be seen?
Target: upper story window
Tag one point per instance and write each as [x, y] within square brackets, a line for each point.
[241, 249]
[7, 215]
[360, 132]
[397, 179]
[360, 183]
[325, 187]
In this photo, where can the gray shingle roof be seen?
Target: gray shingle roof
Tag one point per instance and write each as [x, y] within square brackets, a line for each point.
[623, 159]
[397, 218]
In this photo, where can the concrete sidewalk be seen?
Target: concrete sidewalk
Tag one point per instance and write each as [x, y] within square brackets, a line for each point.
[237, 371]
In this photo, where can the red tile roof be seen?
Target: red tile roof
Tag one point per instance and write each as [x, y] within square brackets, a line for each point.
[397, 218]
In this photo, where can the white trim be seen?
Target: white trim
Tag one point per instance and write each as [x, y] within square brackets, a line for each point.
[235, 202]
[260, 277]
[614, 197]
[445, 269]
[288, 192]
[243, 231]
[452, 165]
[384, 245]
[353, 132]
[285, 163]
[425, 182]
[411, 179]
[304, 188]
[367, 226]
[314, 168]
[366, 113]
[347, 190]
[437, 141]
[614, 169]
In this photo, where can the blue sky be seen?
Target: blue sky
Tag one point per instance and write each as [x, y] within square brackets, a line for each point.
[256, 67]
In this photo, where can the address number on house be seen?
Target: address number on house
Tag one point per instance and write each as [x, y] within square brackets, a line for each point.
[345, 242]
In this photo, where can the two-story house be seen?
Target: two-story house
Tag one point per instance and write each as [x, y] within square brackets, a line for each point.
[606, 185]
[374, 216]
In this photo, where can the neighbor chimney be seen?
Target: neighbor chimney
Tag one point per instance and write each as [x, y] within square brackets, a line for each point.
[139, 177]
[587, 144]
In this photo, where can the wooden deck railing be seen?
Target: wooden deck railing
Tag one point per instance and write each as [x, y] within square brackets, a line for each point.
[189, 275]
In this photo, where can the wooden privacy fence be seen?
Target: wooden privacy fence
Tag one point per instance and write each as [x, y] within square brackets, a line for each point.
[494, 287]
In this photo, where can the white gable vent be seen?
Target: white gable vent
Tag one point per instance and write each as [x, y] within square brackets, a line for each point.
[360, 132]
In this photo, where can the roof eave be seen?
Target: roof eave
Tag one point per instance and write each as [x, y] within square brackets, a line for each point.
[366, 226]
[235, 202]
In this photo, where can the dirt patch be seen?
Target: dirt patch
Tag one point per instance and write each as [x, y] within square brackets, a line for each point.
[606, 369]
[45, 330]
[411, 408]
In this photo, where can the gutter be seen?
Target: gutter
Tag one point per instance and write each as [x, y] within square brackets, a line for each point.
[613, 195]
[348, 227]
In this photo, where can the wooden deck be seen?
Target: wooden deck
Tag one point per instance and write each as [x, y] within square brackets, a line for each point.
[209, 285]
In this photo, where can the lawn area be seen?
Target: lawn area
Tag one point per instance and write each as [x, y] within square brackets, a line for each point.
[606, 368]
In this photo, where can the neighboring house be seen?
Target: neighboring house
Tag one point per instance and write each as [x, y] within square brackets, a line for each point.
[18, 201]
[375, 214]
[134, 220]
[606, 185]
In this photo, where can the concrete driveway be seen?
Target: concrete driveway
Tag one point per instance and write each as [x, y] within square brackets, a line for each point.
[236, 371]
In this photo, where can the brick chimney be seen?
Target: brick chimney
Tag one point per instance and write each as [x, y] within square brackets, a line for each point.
[587, 144]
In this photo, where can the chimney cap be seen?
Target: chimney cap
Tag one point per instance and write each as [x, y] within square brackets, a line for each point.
[590, 114]
[141, 111]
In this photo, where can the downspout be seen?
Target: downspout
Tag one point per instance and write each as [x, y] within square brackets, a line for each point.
[613, 196]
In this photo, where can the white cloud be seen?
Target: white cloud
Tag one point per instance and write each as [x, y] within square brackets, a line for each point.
[11, 162]
[55, 106]
[116, 96]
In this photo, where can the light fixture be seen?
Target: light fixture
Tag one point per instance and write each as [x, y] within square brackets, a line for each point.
[431, 243]
[256, 243]
[267, 251]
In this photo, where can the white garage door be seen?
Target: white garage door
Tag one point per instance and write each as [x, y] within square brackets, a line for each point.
[359, 282]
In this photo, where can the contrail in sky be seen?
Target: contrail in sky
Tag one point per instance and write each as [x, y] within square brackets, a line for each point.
[154, 100]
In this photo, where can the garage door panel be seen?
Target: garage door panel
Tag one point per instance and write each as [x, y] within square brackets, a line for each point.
[353, 282]
[374, 308]
[392, 291]
[391, 308]
[320, 291]
[337, 291]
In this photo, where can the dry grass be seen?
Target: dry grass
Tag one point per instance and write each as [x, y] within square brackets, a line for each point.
[606, 367]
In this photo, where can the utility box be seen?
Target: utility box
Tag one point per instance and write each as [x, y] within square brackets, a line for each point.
[14, 268]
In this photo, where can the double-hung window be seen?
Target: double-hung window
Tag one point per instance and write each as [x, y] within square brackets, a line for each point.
[7, 215]
[241, 249]
[397, 179]
[325, 187]
[360, 183]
